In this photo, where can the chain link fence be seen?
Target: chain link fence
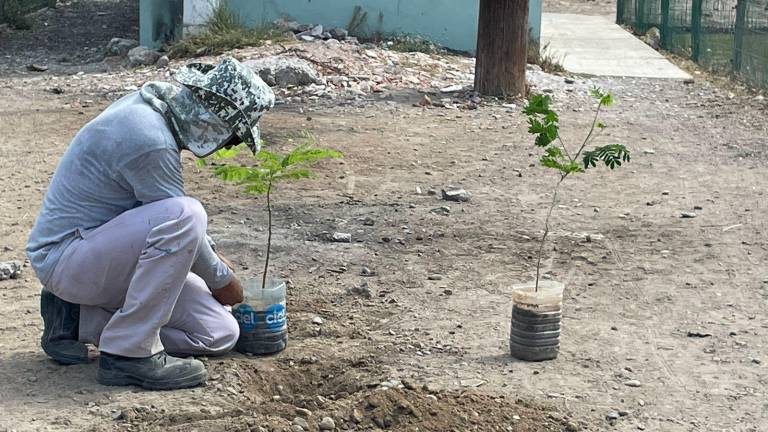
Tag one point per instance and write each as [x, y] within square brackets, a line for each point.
[722, 35]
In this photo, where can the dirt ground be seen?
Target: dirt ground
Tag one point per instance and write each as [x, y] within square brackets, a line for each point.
[675, 304]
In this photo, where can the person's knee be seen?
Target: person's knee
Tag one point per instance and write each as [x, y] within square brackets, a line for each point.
[226, 335]
[191, 212]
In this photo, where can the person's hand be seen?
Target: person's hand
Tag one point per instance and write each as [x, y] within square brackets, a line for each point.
[231, 293]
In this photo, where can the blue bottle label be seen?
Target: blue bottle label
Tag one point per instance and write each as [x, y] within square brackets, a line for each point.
[274, 317]
[246, 317]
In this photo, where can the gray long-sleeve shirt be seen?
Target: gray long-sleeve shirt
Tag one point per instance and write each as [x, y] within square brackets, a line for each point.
[123, 158]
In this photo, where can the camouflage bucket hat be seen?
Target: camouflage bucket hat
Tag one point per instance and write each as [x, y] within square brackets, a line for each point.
[232, 92]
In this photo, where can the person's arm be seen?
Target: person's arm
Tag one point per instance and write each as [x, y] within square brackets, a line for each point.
[156, 175]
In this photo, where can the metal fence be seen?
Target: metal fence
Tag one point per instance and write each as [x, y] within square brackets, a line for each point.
[722, 35]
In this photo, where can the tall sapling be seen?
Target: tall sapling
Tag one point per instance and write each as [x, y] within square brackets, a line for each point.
[271, 169]
[544, 124]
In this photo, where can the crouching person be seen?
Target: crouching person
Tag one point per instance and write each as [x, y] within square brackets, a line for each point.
[122, 253]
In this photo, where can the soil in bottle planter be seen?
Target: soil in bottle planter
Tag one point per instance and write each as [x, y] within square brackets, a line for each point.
[262, 318]
[535, 325]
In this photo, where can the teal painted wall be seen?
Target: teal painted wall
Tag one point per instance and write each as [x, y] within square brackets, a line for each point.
[160, 22]
[451, 23]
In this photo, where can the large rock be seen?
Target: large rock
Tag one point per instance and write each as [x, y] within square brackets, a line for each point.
[120, 46]
[142, 56]
[339, 33]
[653, 38]
[284, 71]
[286, 25]
[10, 270]
[315, 32]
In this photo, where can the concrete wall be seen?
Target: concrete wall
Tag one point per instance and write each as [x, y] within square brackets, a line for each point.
[196, 13]
[451, 23]
[160, 22]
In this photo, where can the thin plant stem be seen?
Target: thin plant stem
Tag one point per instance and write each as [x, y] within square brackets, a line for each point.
[546, 230]
[591, 131]
[269, 235]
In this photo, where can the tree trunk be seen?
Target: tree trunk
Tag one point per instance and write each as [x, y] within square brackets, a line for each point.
[502, 44]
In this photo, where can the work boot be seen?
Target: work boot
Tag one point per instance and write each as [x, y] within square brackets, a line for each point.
[157, 372]
[61, 321]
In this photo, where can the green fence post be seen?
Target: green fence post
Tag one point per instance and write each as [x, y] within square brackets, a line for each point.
[640, 24]
[665, 30]
[696, 30]
[620, 12]
[738, 36]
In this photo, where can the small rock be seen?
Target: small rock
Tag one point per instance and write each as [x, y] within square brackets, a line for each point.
[120, 46]
[7, 248]
[632, 383]
[37, 67]
[317, 320]
[448, 291]
[10, 270]
[688, 215]
[756, 361]
[442, 211]
[143, 56]
[569, 80]
[429, 388]
[357, 417]
[425, 101]
[297, 428]
[363, 290]
[653, 37]
[641, 426]
[472, 383]
[698, 207]
[303, 412]
[339, 33]
[623, 413]
[365, 271]
[649, 151]
[612, 416]
[284, 71]
[572, 427]
[327, 423]
[339, 237]
[666, 192]
[456, 195]
[163, 62]
[452, 89]
[698, 334]
[299, 421]
[283, 24]
[435, 277]
[432, 191]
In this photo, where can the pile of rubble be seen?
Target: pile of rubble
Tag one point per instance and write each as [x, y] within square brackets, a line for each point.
[303, 72]
[311, 32]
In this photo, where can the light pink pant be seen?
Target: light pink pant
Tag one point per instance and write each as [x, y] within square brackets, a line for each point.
[132, 278]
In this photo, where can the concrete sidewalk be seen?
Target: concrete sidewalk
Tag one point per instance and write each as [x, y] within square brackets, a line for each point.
[594, 45]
